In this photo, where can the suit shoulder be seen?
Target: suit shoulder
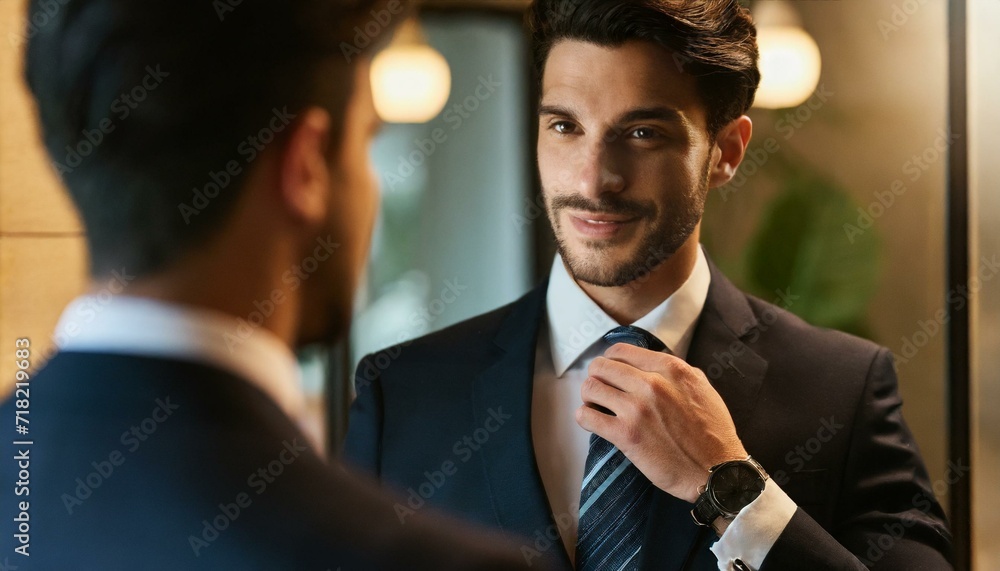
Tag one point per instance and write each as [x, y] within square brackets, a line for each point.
[470, 337]
[820, 346]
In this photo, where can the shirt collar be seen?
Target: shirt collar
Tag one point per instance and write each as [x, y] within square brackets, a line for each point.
[141, 326]
[576, 322]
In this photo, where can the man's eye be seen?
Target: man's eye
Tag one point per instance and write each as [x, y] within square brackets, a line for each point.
[563, 127]
[644, 133]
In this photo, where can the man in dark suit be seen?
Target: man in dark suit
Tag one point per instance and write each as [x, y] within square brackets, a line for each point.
[637, 411]
[217, 154]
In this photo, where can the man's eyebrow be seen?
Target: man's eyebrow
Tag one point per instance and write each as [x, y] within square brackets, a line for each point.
[665, 114]
[558, 110]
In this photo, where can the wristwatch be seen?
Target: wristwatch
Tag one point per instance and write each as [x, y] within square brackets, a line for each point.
[731, 487]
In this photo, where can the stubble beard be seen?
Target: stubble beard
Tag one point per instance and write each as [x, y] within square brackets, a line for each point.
[669, 231]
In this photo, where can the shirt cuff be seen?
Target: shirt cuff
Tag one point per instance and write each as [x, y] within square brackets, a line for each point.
[752, 534]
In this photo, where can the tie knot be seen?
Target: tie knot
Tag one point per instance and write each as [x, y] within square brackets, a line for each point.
[634, 336]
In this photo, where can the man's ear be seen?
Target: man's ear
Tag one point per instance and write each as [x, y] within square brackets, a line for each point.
[305, 170]
[728, 150]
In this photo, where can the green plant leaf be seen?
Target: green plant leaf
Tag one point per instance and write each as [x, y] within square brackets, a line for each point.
[802, 248]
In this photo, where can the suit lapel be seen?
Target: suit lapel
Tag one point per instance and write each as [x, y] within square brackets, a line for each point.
[515, 485]
[720, 349]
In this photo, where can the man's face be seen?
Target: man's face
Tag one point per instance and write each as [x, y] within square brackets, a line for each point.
[354, 203]
[623, 155]
[356, 192]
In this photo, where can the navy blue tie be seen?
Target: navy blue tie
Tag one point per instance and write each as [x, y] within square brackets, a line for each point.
[615, 496]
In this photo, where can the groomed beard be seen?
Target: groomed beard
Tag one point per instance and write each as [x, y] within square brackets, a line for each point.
[669, 231]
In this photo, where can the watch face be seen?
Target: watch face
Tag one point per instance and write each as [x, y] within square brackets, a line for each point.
[735, 485]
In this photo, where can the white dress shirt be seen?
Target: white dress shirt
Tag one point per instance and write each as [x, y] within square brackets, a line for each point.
[566, 346]
[129, 325]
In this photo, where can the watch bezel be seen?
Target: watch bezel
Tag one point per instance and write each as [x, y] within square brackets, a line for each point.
[713, 476]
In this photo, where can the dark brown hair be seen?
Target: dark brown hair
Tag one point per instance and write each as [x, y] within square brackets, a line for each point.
[713, 40]
[145, 103]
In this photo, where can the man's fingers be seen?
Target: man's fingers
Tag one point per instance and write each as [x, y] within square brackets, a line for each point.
[596, 422]
[619, 375]
[665, 364]
[596, 393]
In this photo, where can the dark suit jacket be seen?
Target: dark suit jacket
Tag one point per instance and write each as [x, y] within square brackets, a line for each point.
[819, 409]
[213, 476]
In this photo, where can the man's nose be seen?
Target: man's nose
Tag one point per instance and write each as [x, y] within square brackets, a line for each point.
[599, 172]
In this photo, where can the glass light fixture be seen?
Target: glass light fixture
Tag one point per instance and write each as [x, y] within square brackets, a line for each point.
[790, 61]
[411, 80]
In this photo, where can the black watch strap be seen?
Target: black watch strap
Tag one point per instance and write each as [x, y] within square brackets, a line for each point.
[705, 512]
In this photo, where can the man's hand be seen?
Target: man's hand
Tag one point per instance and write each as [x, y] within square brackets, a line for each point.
[668, 420]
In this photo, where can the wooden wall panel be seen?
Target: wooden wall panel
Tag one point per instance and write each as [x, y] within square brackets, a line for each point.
[42, 251]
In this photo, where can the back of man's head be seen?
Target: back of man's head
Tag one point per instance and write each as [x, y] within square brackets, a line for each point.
[153, 110]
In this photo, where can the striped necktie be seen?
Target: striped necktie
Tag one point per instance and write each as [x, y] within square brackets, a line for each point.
[615, 496]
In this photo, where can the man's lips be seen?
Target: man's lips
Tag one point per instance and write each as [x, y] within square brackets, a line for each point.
[601, 217]
[599, 225]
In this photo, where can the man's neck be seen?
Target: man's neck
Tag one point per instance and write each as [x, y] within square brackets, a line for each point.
[628, 303]
[230, 284]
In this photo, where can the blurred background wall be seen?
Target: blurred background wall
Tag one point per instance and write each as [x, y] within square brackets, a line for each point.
[881, 102]
[449, 243]
[42, 250]
[984, 148]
